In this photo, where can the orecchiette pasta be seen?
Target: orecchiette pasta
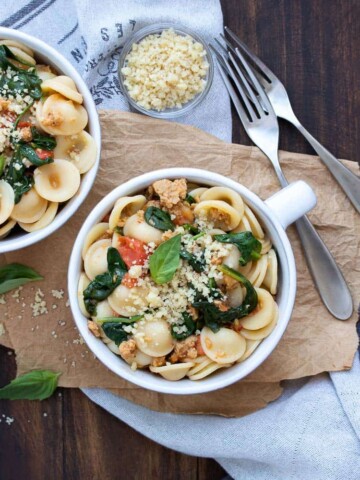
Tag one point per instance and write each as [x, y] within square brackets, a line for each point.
[35, 108]
[183, 300]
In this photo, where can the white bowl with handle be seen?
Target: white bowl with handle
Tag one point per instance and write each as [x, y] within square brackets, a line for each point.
[54, 59]
[276, 214]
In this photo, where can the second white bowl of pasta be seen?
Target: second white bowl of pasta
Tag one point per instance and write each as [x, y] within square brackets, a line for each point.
[183, 281]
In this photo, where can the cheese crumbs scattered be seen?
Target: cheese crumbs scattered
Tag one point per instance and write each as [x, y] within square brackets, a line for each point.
[165, 71]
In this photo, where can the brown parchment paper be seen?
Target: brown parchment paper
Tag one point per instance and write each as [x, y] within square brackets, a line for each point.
[132, 144]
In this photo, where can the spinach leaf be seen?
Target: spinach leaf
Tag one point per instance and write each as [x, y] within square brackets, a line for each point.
[17, 177]
[115, 331]
[14, 275]
[22, 114]
[190, 325]
[248, 246]
[45, 142]
[35, 385]
[25, 82]
[159, 219]
[133, 319]
[188, 227]
[189, 199]
[213, 317]
[2, 163]
[165, 260]
[198, 264]
[105, 283]
[28, 152]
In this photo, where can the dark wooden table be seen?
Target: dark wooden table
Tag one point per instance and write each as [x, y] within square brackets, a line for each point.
[313, 45]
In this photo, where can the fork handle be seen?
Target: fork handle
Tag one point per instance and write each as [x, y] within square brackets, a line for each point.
[348, 181]
[325, 273]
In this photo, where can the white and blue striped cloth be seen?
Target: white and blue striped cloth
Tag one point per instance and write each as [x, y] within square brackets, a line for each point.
[313, 431]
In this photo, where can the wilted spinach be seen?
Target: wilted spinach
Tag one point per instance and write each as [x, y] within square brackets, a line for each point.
[105, 283]
[188, 322]
[248, 246]
[113, 327]
[190, 199]
[159, 219]
[198, 264]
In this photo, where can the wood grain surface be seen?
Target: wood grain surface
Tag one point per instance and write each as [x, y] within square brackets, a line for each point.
[313, 46]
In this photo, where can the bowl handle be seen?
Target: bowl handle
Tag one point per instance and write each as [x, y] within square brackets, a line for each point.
[292, 202]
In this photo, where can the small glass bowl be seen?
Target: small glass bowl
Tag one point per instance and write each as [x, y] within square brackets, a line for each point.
[169, 112]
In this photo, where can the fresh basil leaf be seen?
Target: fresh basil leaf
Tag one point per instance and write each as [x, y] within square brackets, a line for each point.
[35, 385]
[159, 219]
[165, 260]
[105, 283]
[187, 322]
[189, 199]
[2, 163]
[128, 320]
[28, 152]
[248, 246]
[115, 331]
[15, 275]
[198, 264]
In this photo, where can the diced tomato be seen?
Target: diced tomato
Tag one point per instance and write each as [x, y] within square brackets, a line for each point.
[199, 348]
[132, 251]
[128, 281]
[23, 124]
[43, 154]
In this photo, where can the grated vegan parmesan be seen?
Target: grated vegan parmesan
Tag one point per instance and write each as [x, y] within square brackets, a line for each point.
[165, 70]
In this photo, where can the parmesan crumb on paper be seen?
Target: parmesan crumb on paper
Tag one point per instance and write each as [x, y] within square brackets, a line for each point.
[39, 306]
[58, 294]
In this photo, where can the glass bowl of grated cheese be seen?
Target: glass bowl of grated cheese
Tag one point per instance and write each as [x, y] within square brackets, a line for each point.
[165, 70]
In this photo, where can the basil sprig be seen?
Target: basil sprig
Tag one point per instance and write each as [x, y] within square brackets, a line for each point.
[159, 219]
[35, 385]
[248, 246]
[105, 283]
[165, 260]
[14, 275]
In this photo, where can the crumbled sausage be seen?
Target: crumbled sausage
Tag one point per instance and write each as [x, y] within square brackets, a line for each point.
[170, 191]
[94, 328]
[183, 214]
[127, 350]
[184, 350]
[4, 104]
[158, 362]
[26, 134]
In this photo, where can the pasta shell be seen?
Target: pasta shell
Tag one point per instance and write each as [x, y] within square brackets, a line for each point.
[173, 372]
[83, 283]
[124, 208]
[263, 313]
[271, 278]
[235, 296]
[44, 72]
[141, 230]
[95, 261]
[262, 332]
[129, 301]
[197, 192]
[225, 194]
[43, 221]
[7, 201]
[263, 266]
[6, 228]
[141, 359]
[57, 181]
[233, 258]
[63, 85]
[224, 346]
[154, 338]
[251, 346]
[244, 226]
[222, 214]
[254, 223]
[103, 310]
[60, 116]
[265, 245]
[22, 55]
[94, 234]
[80, 149]
[30, 208]
[204, 367]
[14, 43]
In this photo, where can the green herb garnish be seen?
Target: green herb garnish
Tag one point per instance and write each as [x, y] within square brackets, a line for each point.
[104, 284]
[35, 385]
[188, 322]
[165, 260]
[159, 219]
[248, 246]
[14, 275]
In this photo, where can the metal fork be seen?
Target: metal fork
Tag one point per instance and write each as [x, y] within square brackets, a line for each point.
[280, 102]
[260, 122]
